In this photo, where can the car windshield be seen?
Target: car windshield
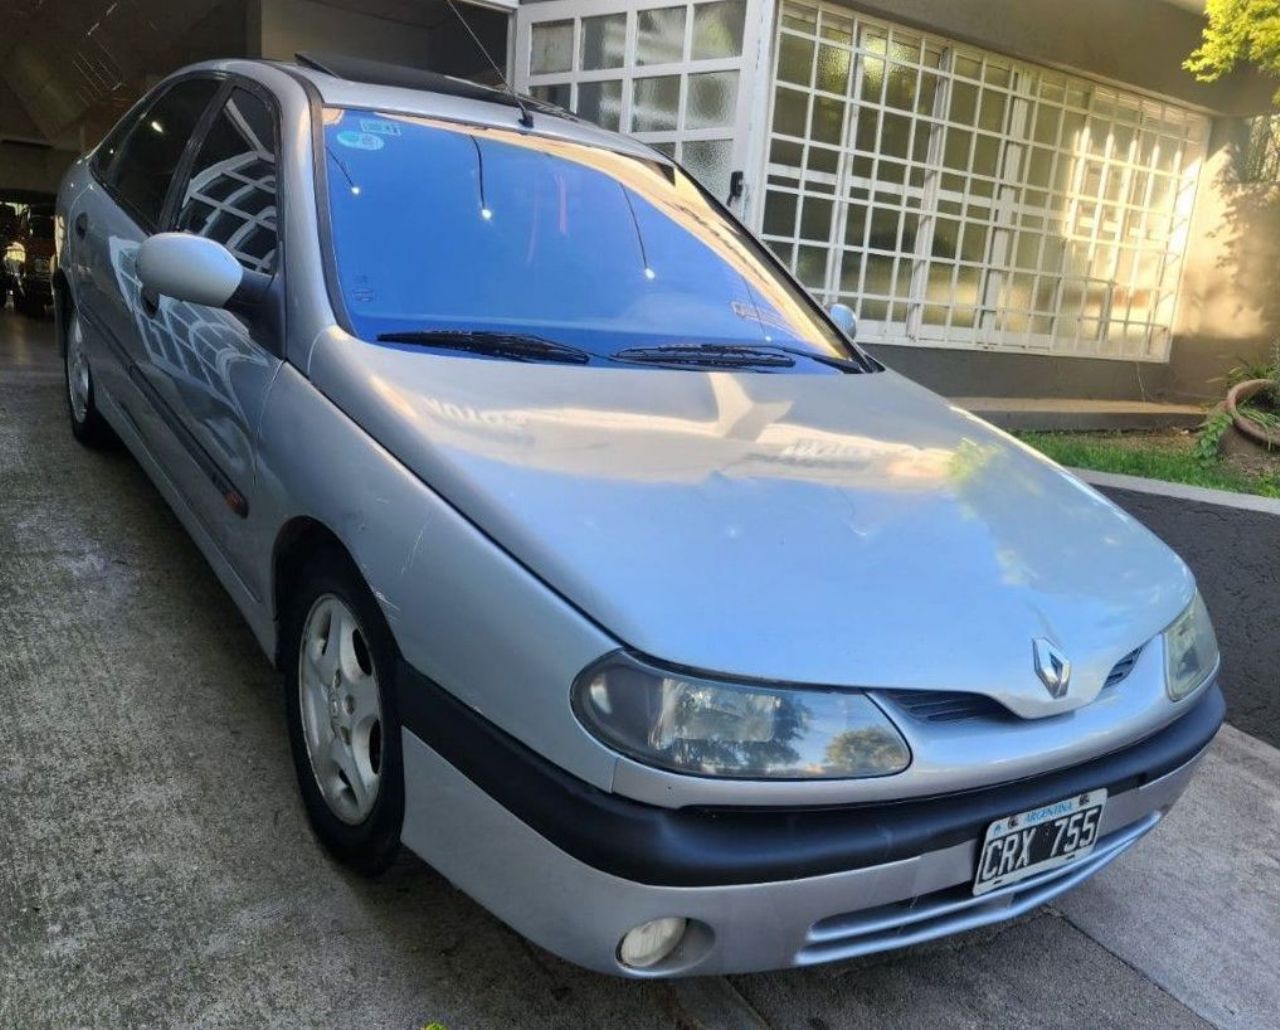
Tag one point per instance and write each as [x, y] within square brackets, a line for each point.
[41, 227]
[442, 229]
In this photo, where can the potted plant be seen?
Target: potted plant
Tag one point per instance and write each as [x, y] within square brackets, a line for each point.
[1253, 400]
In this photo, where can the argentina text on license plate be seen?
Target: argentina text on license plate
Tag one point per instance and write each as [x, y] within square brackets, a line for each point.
[1038, 840]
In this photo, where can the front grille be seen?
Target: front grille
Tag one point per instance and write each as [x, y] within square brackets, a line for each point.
[954, 706]
[1122, 668]
[946, 706]
[954, 909]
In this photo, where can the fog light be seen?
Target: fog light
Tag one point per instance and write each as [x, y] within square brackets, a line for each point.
[651, 942]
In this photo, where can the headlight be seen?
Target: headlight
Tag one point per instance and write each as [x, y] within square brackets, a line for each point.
[694, 725]
[1190, 650]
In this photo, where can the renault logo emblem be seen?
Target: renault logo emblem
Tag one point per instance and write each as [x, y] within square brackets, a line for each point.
[1052, 667]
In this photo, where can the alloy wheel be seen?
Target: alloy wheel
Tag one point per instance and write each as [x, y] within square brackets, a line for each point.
[77, 370]
[341, 709]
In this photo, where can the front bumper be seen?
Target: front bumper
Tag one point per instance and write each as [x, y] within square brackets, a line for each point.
[573, 868]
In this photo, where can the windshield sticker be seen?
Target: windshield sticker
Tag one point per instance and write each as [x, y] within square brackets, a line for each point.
[360, 140]
[753, 314]
[380, 125]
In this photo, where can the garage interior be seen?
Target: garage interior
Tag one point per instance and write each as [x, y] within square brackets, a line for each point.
[70, 68]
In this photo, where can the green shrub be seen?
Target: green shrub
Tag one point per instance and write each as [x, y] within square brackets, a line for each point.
[1209, 436]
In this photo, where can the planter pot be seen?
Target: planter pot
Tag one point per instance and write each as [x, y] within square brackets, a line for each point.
[1236, 396]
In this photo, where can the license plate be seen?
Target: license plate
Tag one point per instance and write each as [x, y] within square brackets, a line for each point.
[1041, 839]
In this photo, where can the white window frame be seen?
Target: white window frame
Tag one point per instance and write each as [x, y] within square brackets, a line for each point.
[751, 82]
[989, 331]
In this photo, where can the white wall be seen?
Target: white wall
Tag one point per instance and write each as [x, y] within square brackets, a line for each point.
[1229, 298]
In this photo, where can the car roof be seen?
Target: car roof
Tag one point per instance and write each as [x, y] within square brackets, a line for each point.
[396, 89]
[381, 73]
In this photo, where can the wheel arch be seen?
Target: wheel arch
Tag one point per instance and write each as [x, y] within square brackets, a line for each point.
[62, 305]
[299, 539]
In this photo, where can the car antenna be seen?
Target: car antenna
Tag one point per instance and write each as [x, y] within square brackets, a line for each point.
[526, 119]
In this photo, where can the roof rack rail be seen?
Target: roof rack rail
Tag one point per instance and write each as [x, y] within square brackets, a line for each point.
[380, 73]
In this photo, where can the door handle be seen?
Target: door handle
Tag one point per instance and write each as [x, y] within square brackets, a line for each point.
[81, 224]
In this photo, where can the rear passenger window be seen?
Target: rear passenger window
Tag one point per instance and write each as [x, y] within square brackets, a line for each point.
[150, 155]
[231, 196]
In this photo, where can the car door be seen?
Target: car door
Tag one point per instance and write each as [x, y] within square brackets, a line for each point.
[135, 168]
[210, 369]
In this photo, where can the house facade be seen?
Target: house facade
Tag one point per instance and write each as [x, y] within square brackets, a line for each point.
[1018, 197]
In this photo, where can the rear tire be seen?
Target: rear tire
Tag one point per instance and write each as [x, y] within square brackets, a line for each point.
[87, 424]
[344, 730]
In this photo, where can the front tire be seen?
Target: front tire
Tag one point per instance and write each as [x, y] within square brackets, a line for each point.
[87, 424]
[344, 731]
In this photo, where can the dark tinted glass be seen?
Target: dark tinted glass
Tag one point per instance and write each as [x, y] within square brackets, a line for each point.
[153, 149]
[106, 151]
[41, 227]
[231, 195]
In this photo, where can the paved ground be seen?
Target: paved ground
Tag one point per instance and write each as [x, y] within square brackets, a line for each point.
[155, 868]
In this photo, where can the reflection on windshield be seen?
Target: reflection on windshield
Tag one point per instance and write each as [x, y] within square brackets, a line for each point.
[444, 226]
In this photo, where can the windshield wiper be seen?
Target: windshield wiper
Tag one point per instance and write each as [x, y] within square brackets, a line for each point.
[844, 364]
[706, 355]
[514, 346]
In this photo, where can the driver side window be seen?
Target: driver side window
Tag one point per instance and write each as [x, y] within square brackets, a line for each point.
[140, 174]
[231, 195]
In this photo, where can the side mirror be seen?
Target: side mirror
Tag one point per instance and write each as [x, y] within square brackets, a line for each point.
[190, 268]
[844, 318]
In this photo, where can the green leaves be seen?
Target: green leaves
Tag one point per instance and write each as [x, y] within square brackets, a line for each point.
[1209, 436]
[1264, 418]
[1238, 31]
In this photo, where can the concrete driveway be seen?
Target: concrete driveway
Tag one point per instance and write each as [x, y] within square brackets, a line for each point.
[156, 869]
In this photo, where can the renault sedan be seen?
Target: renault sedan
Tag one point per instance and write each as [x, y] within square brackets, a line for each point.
[604, 570]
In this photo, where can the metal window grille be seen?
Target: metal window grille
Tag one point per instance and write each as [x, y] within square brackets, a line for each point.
[959, 198]
[1260, 156]
[669, 74]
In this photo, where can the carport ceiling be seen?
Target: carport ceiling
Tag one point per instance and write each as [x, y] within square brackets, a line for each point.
[67, 62]
[61, 58]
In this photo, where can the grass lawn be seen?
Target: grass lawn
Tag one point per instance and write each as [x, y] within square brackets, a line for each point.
[1161, 454]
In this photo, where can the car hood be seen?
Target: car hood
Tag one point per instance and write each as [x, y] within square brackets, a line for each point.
[827, 529]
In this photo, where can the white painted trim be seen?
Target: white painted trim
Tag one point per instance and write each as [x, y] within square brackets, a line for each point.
[1025, 302]
[752, 82]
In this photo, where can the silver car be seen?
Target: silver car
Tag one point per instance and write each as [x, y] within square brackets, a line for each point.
[603, 569]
